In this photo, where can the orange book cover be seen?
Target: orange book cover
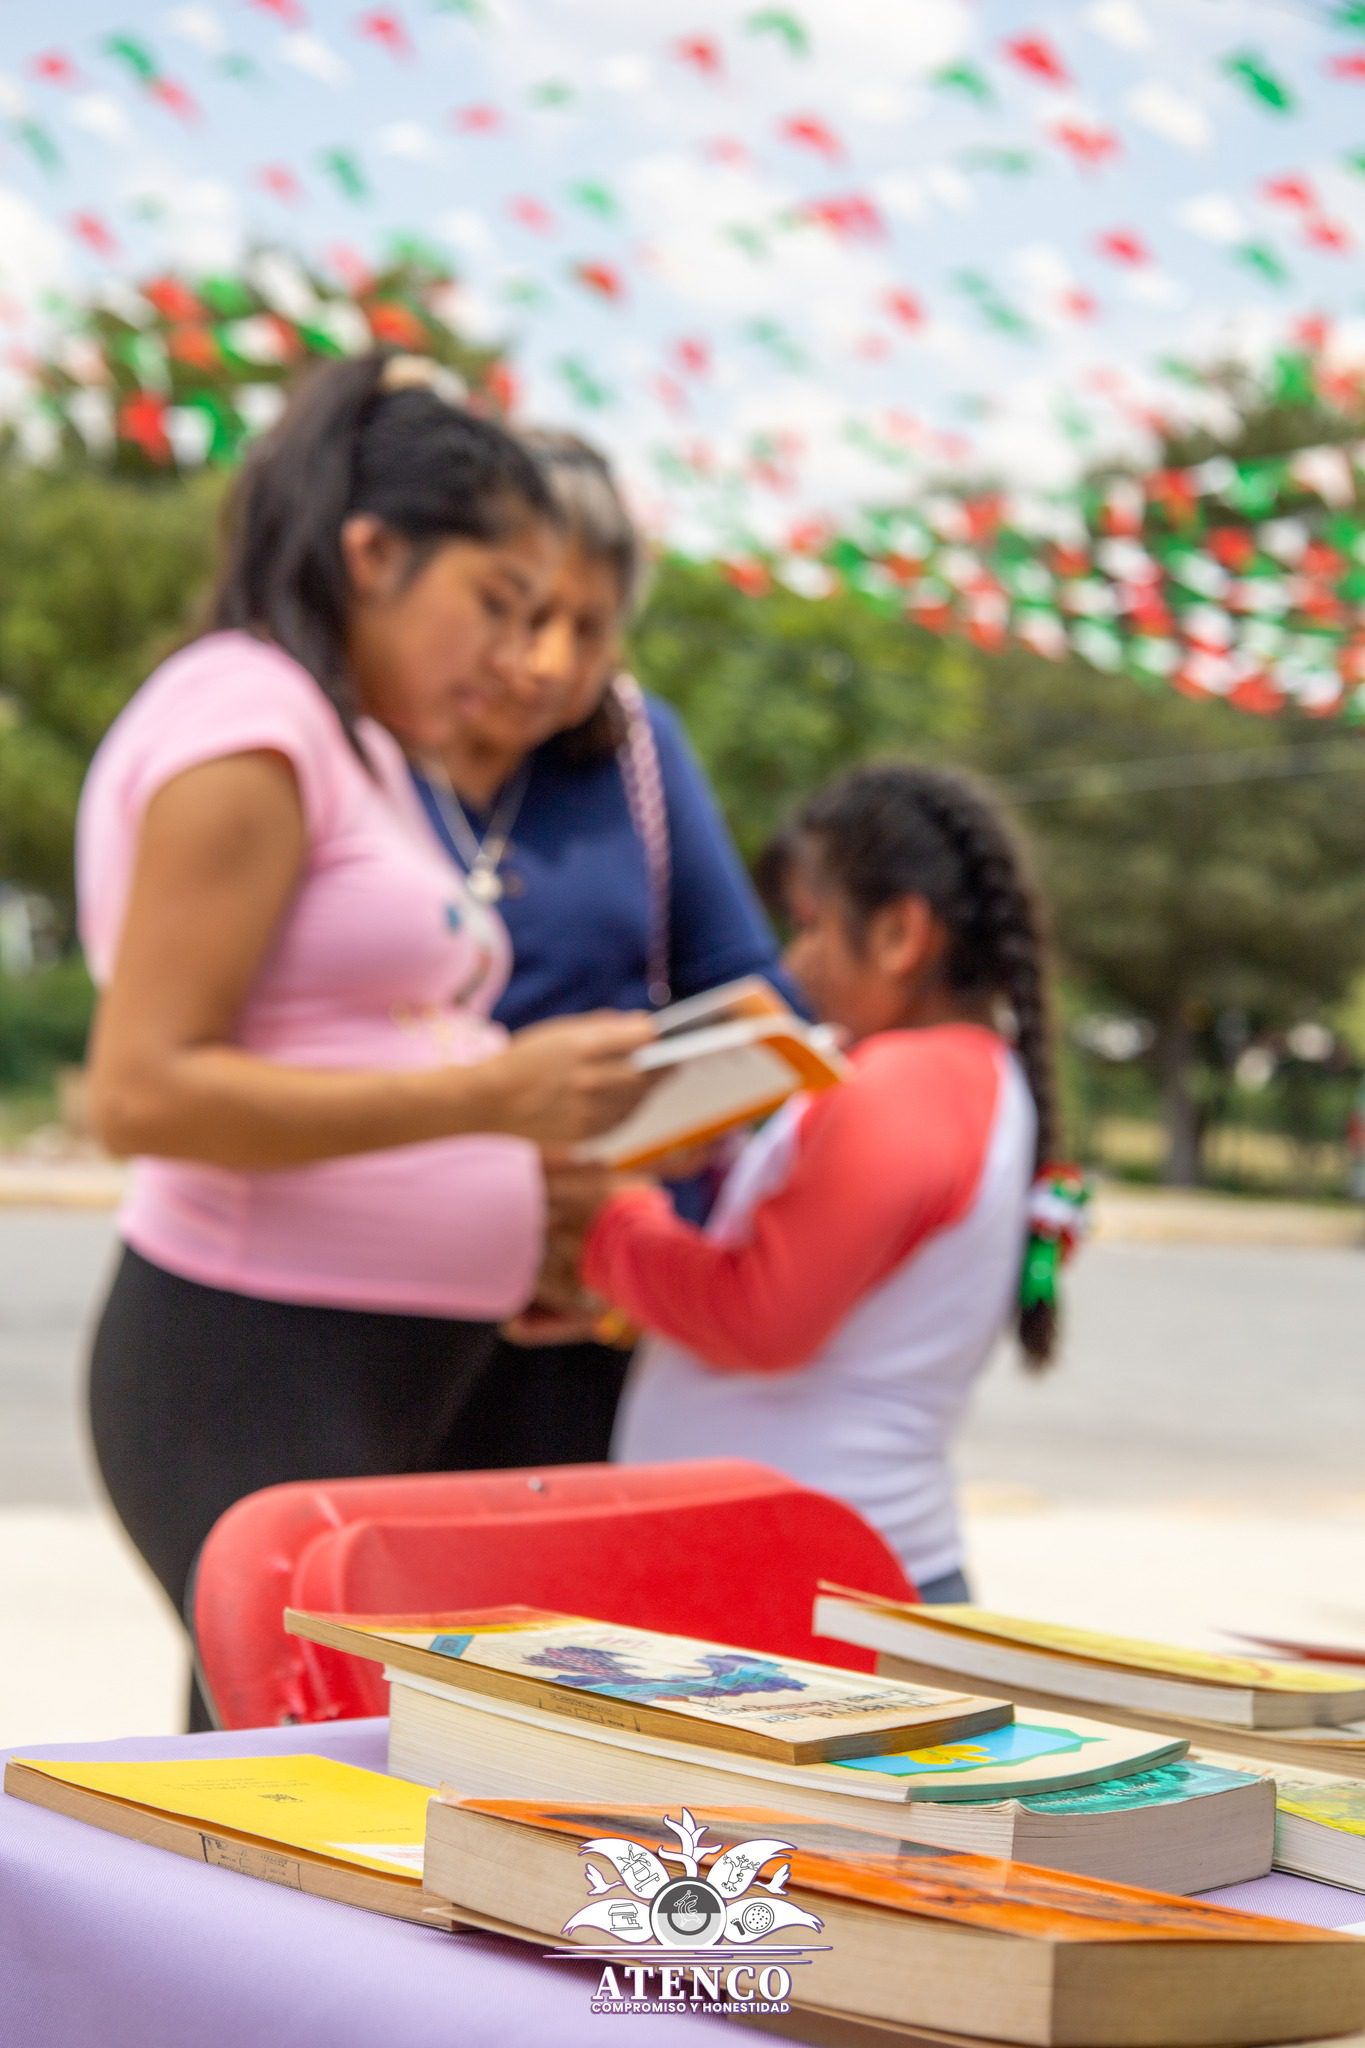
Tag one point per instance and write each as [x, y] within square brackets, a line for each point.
[939, 1884]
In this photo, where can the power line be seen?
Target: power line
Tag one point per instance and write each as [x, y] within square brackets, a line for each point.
[1184, 771]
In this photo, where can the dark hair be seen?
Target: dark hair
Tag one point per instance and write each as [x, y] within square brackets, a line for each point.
[372, 434]
[899, 829]
[595, 516]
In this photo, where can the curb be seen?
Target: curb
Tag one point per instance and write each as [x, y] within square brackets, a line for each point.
[1121, 1217]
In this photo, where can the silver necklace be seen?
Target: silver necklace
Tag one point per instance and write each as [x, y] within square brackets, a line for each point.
[481, 857]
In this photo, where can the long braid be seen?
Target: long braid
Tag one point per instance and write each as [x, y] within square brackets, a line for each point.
[901, 829]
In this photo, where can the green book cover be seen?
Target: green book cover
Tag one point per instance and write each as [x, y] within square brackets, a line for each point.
[1165, 1786]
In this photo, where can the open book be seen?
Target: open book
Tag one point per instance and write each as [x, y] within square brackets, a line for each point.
[724, 1059]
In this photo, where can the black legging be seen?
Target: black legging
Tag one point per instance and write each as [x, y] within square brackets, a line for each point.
[198, 1396]
[551, 1404]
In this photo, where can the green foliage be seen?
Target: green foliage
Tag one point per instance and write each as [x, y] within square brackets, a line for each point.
[778, 694]
[44, 1019]
[98, 577]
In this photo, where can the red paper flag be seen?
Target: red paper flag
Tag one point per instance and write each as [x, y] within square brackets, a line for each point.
[54, 67]
[1327, 234]
[671, 393]
[1090, 145]
[279, 181]
[1290, 191]
[386, 29]
[750, 577]
[142, 420]
[701, 52]
[395, 324]
[808, 131]
[905, 307]
[95, 233]
[1348, 67]
[1124, 246]
[1079, 305]
[501, 385]
[727, 149]
[854, 219]
[1036, 55]
[480, 120]
[173, 300]
[1233, 546]
[694, 356]
[175, 98]
[531, 214]
[1259, 695]
[351, 267]
[600, 278]
[195, 346]
[288, 11]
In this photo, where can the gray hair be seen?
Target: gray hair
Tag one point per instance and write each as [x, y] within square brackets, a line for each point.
[591, 506]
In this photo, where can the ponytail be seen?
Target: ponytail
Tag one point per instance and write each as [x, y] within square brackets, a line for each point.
[378, 433]
[904, 830]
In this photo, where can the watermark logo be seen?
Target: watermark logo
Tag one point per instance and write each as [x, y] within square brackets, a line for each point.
[675, 1941]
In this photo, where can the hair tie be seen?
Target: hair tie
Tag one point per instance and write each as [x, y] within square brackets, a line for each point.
[1058, 1220]
[421, 373]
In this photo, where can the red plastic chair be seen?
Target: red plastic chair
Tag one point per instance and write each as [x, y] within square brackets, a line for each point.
[716, 1547]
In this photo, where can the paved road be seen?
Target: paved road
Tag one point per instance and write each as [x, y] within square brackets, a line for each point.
[1192, 1374]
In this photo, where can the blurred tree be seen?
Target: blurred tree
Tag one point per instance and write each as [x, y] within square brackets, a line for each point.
[98, 576]
[778, 694]
[1206, 871]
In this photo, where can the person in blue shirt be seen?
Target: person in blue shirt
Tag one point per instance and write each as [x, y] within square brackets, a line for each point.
[574, 803]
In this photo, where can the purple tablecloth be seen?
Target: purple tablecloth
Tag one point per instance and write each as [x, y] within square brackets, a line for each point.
[106, 1943]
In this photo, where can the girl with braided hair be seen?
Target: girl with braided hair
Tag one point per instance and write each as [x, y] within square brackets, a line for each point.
[872, 1242]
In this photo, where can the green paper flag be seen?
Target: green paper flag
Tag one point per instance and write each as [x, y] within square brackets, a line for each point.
[1260, 257]
[596, 199]
[1247, 67]
[1350, 14]
[963, 78]
[1292, 378]
[582, 384]
[135, 55]
[40, 146]
[771, 335]
[1011, 163]
[344, 166]
[789, 27]
[751, 240]
[227, 428]
[245, 71]
[227, 296]
[553, 93]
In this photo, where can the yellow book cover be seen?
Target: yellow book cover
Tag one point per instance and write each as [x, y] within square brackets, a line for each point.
[1340, 1804]
[1131, 1653]
[310, 1804]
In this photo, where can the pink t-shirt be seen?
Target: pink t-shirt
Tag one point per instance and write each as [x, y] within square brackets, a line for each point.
[382, 961]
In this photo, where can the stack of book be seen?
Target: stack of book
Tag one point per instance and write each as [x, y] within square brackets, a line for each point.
[1301, 1725]
[521, 1705]
[923, 1946]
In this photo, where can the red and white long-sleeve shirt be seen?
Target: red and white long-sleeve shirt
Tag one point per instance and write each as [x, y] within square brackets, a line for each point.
[860, 1263]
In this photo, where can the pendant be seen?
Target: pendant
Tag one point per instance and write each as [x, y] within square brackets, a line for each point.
[483, 884]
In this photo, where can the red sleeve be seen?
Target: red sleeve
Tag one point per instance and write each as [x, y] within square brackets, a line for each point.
[881, 1164]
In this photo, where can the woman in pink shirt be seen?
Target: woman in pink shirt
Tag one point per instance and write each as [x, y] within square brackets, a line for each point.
[337, 1193]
